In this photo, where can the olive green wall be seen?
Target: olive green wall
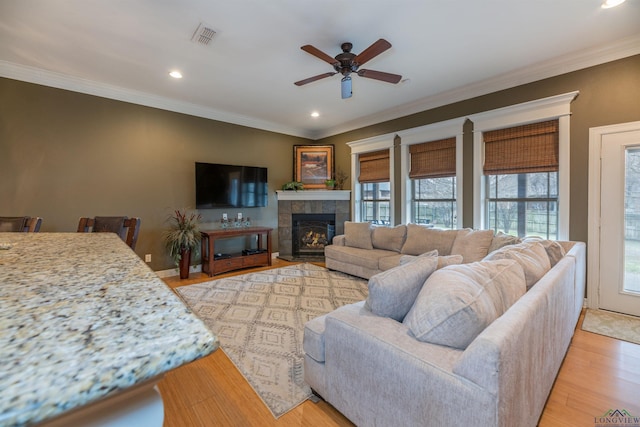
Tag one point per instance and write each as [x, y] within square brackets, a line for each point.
[64, 155]
[609, 94]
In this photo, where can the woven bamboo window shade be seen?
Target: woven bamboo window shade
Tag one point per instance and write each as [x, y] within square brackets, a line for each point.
[522, 149]
[374, 167]
[435, 159]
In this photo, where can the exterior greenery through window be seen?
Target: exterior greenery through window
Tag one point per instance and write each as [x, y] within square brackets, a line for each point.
[521, 178]
[434, 202]
[376, 202]
[523, 204]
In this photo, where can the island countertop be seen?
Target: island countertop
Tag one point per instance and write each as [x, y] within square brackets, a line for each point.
[83, 318]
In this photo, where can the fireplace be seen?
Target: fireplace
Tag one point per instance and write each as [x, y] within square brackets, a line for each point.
[311, 233]
[329, 207]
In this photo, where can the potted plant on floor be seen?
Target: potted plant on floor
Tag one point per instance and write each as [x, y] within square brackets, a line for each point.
[182, 238]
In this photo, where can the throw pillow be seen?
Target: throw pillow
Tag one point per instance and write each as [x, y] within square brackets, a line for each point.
[457, 303]
[473, 245]
[530, 255]
[421, 239]
[389, 238]
[554, 250]
[501, 239]
[392, 292]
[357, 235]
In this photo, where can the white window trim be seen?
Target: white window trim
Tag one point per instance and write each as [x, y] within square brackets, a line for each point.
[553, 107]
[368, 145]
[418, 135]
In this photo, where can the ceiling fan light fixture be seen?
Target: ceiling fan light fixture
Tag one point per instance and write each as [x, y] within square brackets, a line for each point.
[175, 74]
[608, 4]
[345, 87]
[315, 114]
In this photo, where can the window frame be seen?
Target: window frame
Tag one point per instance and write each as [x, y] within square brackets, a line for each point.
[554, 107]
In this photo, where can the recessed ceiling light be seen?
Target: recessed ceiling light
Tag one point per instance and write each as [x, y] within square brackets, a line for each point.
[607, 4]
[176, 74]
[315, 114]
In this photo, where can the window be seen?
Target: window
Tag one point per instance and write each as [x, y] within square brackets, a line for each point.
[521, 178]
[521, 168]
[375, 187]
[376, 199]
[524, 204]
[433, 183]
[434, 202]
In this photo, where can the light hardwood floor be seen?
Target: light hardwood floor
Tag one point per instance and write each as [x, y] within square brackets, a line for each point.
[598, 374]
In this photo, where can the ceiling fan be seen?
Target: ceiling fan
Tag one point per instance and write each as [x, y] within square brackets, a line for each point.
[346, 63]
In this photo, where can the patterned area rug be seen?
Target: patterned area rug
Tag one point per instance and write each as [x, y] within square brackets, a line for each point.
[259, 319]
[614, 325]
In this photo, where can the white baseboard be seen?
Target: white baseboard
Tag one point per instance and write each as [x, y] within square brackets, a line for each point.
[194, 268]
[174, 271]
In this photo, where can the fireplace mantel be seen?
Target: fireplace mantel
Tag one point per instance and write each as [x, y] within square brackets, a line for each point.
[314, 195]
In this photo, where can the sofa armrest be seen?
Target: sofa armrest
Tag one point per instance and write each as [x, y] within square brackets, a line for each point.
[338, 240]
[518, 356]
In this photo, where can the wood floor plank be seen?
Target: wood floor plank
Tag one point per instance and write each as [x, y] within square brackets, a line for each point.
[599, 373]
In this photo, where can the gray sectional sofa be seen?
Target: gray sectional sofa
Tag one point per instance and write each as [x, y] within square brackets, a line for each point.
[473, 343]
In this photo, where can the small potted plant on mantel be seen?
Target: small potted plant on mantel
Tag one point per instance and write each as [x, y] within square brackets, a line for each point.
[182, 238]
[330, 183]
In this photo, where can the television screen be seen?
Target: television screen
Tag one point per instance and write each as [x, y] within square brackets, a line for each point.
[221, 186]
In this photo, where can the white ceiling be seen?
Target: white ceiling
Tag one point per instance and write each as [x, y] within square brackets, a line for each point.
[447, 50]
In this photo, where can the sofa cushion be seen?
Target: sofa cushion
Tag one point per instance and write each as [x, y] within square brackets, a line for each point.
[421, 239]
[554, 250]
[357, 235]
[473, 245]
[447, 260]
[393, 292]
[501, 239]
[530, 255]
[389, 238]
[443, 261]
[367, 258]
[385, 263]
[458, 302]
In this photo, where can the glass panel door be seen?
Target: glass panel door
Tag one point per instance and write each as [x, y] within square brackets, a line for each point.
[631, 282]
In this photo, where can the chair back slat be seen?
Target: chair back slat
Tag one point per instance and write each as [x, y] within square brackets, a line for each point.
[20, 223]
[128, 232]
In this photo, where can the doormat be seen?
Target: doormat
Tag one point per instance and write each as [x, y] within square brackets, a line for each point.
[614, 325]
[259, 319]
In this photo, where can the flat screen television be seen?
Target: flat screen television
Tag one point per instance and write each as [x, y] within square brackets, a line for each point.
[223, 186]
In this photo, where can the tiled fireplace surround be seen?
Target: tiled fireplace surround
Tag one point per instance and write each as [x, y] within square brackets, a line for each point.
[309, 202]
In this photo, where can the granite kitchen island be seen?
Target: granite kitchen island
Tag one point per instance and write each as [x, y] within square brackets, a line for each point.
[84, 322]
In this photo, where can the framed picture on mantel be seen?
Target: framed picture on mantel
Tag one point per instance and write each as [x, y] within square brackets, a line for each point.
[313, 165]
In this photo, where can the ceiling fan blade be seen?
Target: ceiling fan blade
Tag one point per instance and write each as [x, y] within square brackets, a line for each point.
[313, 79]
[319, 54]
[379, 75]
[372, 51]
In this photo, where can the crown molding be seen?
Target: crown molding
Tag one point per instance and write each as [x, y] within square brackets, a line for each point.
[561, 65]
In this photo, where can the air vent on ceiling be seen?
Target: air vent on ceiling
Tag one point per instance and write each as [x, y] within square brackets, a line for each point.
[203, 34]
